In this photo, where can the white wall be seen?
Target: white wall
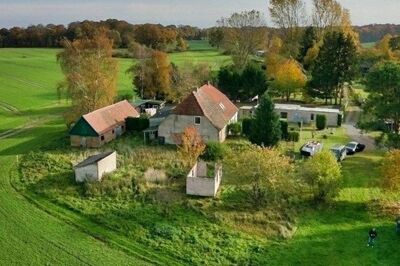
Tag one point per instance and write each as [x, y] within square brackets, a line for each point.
[198, 184]
[107, 165]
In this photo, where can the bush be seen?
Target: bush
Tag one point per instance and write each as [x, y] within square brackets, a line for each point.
[339, 120]
[284, 129]
[246, 126]
[321, 122]
[393, 141]
[235, 129]
[322, 173]
[215, 151]
[390, 171]
[293, 136]
[137, 123]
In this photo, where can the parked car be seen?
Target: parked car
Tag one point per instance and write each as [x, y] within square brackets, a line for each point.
[311, 148]
[354, 147]
[340, 152]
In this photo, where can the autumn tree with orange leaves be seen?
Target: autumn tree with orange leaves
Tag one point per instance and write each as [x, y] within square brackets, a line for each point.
[191, 146]
[90, 74]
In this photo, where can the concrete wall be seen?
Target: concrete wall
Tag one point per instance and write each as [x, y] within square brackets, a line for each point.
[94, 172]
[174, 125]
[198, 184]
[95, 142]
[107, 165]
[87, 173]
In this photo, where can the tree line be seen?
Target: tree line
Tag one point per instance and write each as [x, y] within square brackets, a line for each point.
[121, 32]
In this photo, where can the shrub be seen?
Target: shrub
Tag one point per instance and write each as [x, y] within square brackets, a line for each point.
[322, 173]
[390, 170]
[215, 151]
[321, 122]
[293, 136]
[339, 120]
[284, 129]
[137, 123]
[393, 141]
[235, 129]
[246, 126]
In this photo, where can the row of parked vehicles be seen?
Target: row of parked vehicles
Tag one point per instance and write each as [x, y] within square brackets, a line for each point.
[339, 151]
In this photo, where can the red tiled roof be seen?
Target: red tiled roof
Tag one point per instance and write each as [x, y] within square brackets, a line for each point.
[208, 101]
[110, 116]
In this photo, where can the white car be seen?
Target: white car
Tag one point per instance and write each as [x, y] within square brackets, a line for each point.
[311, 148]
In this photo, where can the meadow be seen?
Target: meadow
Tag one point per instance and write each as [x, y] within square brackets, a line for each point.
[42, 226]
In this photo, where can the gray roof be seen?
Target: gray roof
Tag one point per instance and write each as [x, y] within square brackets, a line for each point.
[295, 107]
[93, 159]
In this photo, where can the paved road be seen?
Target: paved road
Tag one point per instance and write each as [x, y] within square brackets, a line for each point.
[352, 117]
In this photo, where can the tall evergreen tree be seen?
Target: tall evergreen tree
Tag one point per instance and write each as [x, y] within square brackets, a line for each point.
[334, 66]
[266, 127]
[308, 41]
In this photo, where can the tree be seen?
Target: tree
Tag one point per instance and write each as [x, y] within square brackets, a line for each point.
[335, 65]
[383, 85]
[390, 170]
[216, 37]
[181, 44]
[268, 172]
[288, 79]
[187, 78]
[327, 16]
[266, 129]
[90, 74]
[242, 85]
[244, 33]
[191, 146]
[153, 76]
[308, 40]
[323, 174]
[139, 51]
[155, 36]
[289, 16]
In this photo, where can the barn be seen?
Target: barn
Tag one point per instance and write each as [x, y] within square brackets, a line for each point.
[101, 126]
[94, 167]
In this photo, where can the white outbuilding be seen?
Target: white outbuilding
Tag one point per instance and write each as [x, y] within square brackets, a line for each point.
[204, 179]
[94, 167]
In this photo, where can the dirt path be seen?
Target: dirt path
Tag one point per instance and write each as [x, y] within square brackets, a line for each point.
[352, 117]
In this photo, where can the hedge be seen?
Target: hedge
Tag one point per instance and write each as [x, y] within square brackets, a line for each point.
[293, 136]
[137, 123]
[339, 120]
[284, 129]
[321, 122]
[235, 129]
[246, 126]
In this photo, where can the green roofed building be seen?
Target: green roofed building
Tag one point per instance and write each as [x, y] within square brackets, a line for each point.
[101, 126]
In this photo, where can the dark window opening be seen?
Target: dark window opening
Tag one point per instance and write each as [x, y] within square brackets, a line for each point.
[284, 115]
[197, 120]
[312, 117]
[102, 137]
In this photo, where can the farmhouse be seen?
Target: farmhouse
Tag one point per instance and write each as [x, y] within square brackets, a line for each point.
[296, 113]
[206, 109]
[101, 126]
[204, 179]
[94, 167]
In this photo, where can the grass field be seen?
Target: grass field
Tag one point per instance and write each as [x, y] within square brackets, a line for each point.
[36, 231]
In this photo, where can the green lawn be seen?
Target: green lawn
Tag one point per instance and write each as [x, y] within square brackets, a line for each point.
[368, 44]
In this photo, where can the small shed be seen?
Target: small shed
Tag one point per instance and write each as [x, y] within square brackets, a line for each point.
[204, 179]
[94, 167]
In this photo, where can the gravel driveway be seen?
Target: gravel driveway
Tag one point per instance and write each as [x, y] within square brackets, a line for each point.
[352, 117]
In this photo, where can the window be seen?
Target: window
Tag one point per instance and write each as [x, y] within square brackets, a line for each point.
[102, 137]
[197, 120]
[284, 115]
[312, 117]
[113, 131]
[222, 106]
